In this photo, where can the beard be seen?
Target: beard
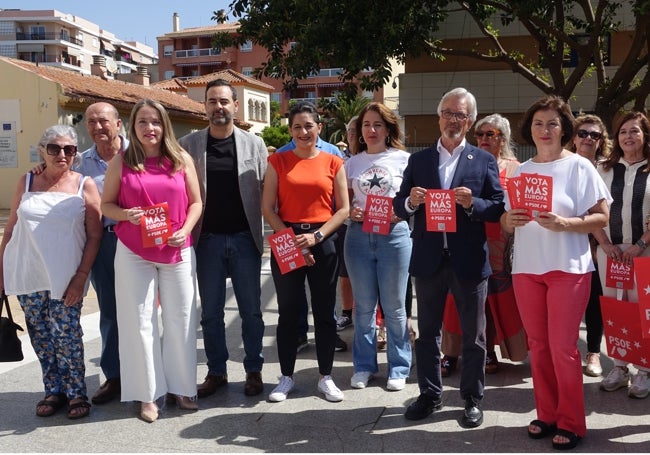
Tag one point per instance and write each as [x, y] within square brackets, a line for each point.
[221, 118]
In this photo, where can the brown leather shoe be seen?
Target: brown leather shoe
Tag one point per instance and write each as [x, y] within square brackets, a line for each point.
[254, 385]
[211, 384]
[108, 391]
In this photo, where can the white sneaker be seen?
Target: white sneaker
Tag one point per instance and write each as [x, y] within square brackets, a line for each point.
[396, 383]
[327, 387]
[282, 389]
[360, 380]
[640, 387]
[618, 378]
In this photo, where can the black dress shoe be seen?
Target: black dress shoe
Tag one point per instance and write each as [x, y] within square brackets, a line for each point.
[422, 407]
[472, 415]
[108, 391]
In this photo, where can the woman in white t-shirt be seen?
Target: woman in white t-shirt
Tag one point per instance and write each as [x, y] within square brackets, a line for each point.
[378, 261]
[551, 269]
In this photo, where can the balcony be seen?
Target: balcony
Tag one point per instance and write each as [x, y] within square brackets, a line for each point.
[48, 36]
[191, 53]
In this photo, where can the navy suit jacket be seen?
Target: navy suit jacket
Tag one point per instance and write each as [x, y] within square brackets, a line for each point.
[477, 170]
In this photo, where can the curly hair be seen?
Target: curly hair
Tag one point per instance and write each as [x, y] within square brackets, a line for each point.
[606, 142]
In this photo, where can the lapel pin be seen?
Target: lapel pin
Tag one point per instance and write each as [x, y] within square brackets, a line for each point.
[470, 157]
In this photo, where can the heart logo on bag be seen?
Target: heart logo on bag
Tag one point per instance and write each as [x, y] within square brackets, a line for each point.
[621, 351]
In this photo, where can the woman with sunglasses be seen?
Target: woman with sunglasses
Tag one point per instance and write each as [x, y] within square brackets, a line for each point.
[626, 171]
[504, 326]
[590, 140]
[49, 245]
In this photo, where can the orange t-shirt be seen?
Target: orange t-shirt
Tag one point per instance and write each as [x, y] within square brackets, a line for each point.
[305, 186]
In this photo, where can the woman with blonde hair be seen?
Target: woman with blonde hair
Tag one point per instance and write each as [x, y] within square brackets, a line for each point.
[155, 171]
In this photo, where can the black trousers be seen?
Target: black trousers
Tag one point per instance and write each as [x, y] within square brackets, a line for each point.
[290, 290]
[470, 295]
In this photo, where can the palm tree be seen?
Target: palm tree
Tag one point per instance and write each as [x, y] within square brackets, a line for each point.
[339, 112]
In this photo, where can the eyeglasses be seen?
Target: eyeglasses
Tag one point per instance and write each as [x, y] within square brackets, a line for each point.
[460, 116]
[595, 135]
[55, 149]
[489, 134]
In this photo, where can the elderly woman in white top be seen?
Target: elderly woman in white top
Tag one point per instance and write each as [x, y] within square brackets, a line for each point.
[49, 245]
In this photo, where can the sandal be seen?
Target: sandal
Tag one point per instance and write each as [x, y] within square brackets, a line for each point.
[51, 406]
[546, 429]
[84, 409]
[573, 438]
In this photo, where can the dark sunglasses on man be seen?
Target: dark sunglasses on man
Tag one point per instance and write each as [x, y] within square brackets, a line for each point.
[55, 149]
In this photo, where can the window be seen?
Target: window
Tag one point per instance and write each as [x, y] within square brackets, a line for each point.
[251, 110]
[263, 113]
[258, 115]
[168, 50]
[247, 71]
[169, 74]
[37, 31]
[246, 47]
[277, 97]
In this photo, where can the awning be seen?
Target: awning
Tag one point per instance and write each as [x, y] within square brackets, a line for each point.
[30, 47]
[331, 85]
[187, 64]
[306, 86]
[108, 46]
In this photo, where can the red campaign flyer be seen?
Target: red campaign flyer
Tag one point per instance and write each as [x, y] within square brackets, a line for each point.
[537, 192]
[440, 206]
[155, 225]
[642, 274]
[619, 275]
[376, 219]
[515, 189]
[623, 331]
[286, 253]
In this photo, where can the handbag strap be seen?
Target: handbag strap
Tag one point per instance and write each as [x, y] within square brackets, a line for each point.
[5, 303]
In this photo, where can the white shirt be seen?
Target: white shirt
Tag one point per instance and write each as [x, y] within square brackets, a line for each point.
[576, 188]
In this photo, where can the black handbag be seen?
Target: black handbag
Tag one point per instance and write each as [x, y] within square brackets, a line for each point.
[10, 346]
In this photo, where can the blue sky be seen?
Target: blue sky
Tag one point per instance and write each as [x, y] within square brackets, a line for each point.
[132, 20]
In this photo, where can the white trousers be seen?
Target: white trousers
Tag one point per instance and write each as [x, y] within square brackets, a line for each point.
[152, 365]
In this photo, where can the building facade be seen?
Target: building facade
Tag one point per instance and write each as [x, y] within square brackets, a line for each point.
[63, 40]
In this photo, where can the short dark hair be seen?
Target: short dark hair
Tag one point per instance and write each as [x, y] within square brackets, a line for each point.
[553, 103]
[221, 83]
[304, 107]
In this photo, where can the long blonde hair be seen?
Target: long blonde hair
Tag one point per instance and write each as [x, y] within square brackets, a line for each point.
[169, 148]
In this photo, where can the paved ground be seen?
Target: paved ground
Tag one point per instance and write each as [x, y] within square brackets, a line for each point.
[369, 420]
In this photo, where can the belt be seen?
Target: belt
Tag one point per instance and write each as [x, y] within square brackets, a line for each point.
[304, 226]
[446, 253]
[109, 228]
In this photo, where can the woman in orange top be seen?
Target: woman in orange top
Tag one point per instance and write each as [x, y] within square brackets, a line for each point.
[301, 188]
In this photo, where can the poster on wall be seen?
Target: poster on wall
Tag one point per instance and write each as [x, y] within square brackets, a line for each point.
[8, 149]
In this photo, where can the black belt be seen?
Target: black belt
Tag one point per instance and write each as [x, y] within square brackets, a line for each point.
[304, 226]
[110, 228]
[446, 253]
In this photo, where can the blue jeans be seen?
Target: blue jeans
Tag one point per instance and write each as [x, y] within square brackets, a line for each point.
[103, 279]
[217, 257]
[378, 269]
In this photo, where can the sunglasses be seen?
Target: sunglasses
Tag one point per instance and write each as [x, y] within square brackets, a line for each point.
[595, 135]
[55, 149]
[480, 134]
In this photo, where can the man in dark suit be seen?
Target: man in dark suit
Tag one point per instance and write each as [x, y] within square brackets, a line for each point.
[455, 262]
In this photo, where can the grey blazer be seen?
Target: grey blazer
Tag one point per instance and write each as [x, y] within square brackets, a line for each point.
[251, 165]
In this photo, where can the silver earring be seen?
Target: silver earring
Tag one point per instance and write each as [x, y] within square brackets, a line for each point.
[361, 141]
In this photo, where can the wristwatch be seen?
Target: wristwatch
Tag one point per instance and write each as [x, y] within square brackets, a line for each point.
[318, 235]
[641, 244]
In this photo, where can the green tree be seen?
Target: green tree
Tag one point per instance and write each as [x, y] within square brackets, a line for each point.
[370, 32]
[276, 115]
[339, 112]
[276, 136]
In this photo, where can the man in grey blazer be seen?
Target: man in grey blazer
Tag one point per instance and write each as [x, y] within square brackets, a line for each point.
[228, 238]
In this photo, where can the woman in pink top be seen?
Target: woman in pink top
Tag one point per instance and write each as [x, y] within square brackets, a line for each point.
[153, 193]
